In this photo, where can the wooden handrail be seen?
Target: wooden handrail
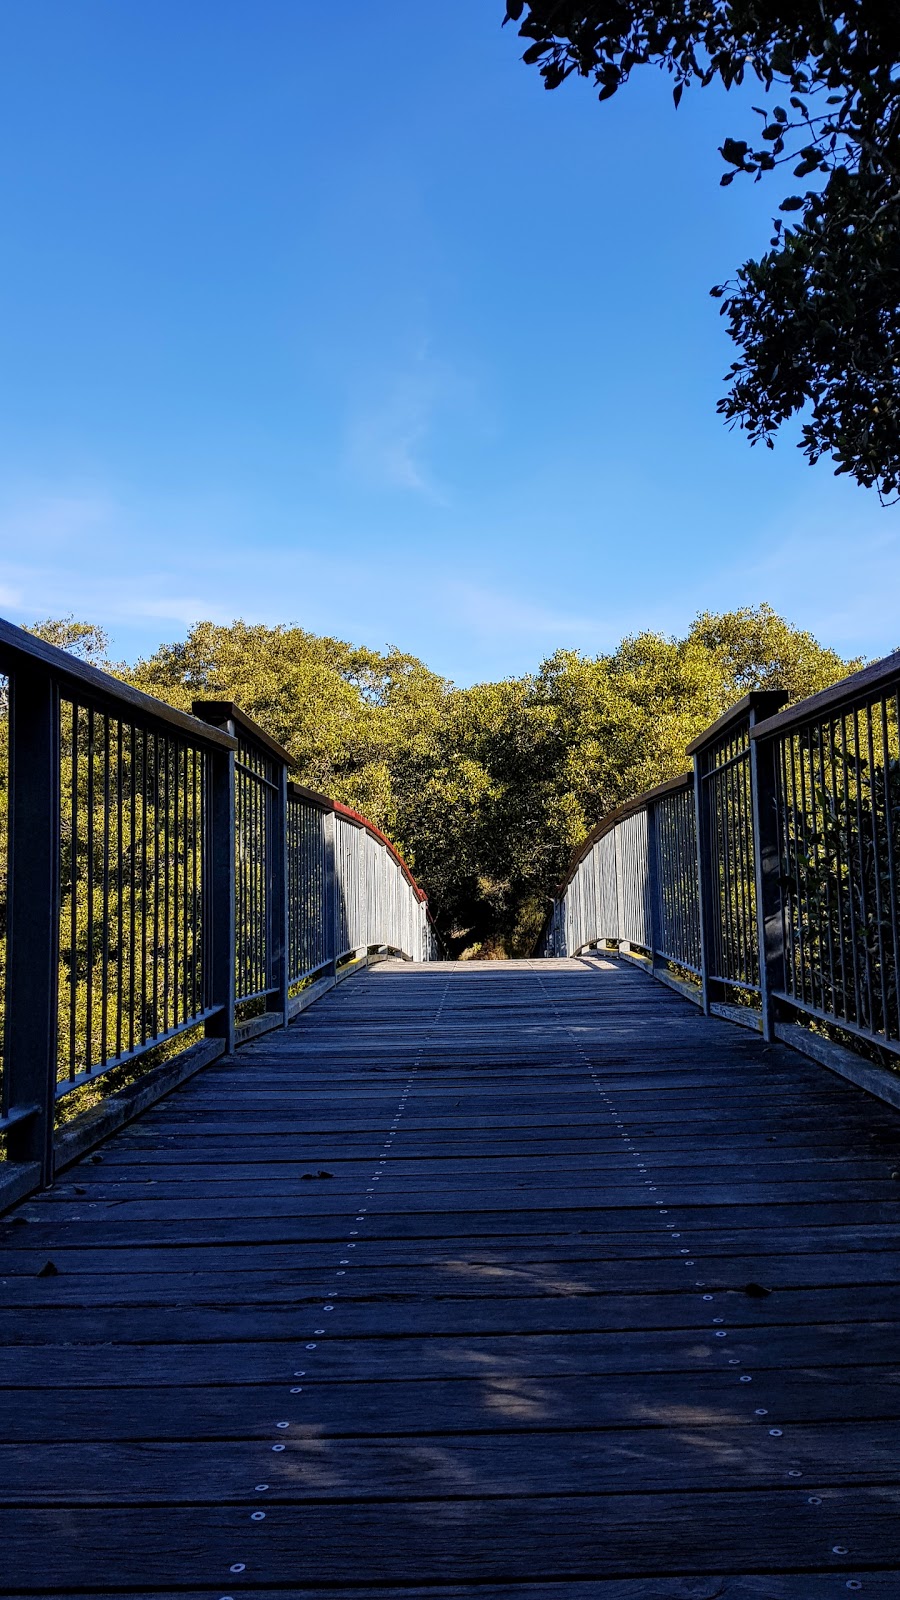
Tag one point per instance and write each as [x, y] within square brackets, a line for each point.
[92, 683]
[853, 690]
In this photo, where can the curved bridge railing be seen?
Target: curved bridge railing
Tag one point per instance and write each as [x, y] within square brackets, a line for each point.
[769, 875]
[166, 892]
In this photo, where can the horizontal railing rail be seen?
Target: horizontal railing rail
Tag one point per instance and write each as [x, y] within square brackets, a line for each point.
[162, 882]
[768, 876]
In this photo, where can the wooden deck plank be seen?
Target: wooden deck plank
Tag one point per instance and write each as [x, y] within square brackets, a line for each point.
[518, 1389]
[478, 1540]
[404, 1406]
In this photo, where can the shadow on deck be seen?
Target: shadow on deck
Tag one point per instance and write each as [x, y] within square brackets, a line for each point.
[518, 1279]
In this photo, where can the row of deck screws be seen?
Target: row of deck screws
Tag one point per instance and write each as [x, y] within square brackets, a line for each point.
[261, 1488]
[361, 1211]
[746, 1377]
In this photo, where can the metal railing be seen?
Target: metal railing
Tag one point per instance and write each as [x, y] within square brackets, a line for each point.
[770, 874]
[160, 877]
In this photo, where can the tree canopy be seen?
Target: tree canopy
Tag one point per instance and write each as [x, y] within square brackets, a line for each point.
[816, 317]
[486, 790]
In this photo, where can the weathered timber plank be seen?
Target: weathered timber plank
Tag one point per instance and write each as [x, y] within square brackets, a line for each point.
[202, 1284]
[448, 1465]
[694, 1309]
[437, 1356]
[771, 1586]
[482, 1541]
[490, 1403]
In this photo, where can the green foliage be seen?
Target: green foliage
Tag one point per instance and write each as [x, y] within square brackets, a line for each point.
[817, 318]
[486, 790]
[82, 639]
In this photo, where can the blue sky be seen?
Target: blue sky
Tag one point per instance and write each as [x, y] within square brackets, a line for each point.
[331, 315]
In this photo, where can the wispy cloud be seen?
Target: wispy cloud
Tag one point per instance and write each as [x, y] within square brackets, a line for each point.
[44, 522]
[396, 414]
[497, 611]
[388, 436]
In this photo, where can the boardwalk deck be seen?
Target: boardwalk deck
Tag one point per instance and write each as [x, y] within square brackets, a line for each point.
[516, 1281]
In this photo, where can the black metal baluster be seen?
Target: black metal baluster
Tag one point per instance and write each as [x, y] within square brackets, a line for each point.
[90, 825]
[836, 756]
[876, 867]
[73, 904]
[892, 869]
[104, 967]
[120, 885]
[863, 895]
[166, 880]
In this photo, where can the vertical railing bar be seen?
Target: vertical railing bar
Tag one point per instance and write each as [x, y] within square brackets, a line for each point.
[876, 867]
[200, 898]
[90, 824]
[722, 884]
[749, 850]
[120, 885]
[255, 866]
[104, 945]
[721, 793]
[655, 910]
[786, 835]
[166, 882]
[73, 907]
[258, 859]
[157, 787]
[264, 885]
[243, 987]
[839, 865]
[732, 965]
[183, 964]
[851, 893]
[744, 868]
[680, 879]
[814, 896]
[145, 882]
[744, 962]
[132, 896]
[892, 881]
[738, 961]
[279, 910]
[703, 879]
[263, 879]
[219, 889]
[826, 850]
[677, 939]
[179, 932]
[250, 858]
[762, 771]
[715, 880]
[795, 748]
[863, 897]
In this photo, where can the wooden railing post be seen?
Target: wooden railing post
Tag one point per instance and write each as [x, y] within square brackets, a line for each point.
[767, 869]
[220, 896]
[33, 917]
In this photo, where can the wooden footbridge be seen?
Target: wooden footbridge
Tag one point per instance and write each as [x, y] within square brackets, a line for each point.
[521, 1279]
[531, 1280]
